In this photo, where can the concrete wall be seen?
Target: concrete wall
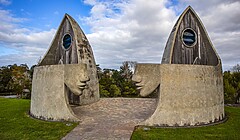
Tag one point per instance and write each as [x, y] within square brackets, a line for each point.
[189, 95]
[49, 97]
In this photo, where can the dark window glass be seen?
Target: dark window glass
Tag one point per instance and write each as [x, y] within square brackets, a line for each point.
[67, 40]
[189, 37]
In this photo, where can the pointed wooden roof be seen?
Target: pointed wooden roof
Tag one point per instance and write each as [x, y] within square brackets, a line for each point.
[189, 42]
[80, 50]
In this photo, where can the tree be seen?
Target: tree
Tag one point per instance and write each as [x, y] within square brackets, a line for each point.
[127, 69]
[236, 68]
[5, 77]
[231, 81]
[114, 90]
[115, 83]
[229, 92]
[132, 65]
[103, 91]
[20, 79]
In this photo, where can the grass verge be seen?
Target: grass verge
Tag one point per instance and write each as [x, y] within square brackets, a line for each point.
[228, 130]
[16, 124]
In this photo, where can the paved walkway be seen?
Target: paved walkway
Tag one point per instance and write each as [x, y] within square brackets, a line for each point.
[111, 118]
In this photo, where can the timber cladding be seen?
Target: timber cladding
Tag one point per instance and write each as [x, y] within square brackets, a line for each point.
[189, 42]
[71, 46]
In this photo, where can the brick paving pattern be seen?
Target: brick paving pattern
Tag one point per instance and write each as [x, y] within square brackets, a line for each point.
[111, 118]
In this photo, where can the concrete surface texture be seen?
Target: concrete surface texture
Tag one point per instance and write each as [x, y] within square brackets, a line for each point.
[147, 78]
[50, 84]
[111, 118]
[189, 95]
[70, 46]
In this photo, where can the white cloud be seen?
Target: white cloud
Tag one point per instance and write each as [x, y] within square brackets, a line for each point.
[24, 45]
[90, 2]
[134, 30]
[5, 2]
[56, 13]
[138, 29]
[131, 30]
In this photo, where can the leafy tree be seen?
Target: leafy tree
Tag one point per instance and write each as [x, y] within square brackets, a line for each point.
[236, 68]
[125, 70]
[20, 78]
[5, 77]
[116, 83]
[103, 92]
[231, 81]
[114, 90]
[14, 78]
[229, 92]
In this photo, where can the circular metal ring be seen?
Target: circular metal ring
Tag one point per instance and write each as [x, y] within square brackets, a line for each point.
[67, 41]
[189, 37]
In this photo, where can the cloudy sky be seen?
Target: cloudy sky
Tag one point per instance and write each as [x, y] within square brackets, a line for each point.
[118, 30]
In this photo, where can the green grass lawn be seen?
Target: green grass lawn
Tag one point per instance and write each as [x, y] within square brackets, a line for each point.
[230, 130]
[16, 124]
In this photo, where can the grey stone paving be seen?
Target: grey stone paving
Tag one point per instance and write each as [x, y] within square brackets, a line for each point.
[111, 118]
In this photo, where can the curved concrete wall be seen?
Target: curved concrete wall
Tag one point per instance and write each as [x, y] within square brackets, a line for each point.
[189, 95]
[49, 93]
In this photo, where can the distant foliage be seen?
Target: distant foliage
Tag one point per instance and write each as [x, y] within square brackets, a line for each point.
[236, 68]
[117, 83]
[231, 81]
[112, 83]
[16, 79]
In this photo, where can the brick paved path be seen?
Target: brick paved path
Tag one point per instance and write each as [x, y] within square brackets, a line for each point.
[111, 118]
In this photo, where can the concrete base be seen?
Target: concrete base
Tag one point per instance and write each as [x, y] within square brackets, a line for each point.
[189, 95]
[49, 99]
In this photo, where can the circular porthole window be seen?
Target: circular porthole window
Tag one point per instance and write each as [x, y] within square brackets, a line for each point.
[189, 37]
[67, 40]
